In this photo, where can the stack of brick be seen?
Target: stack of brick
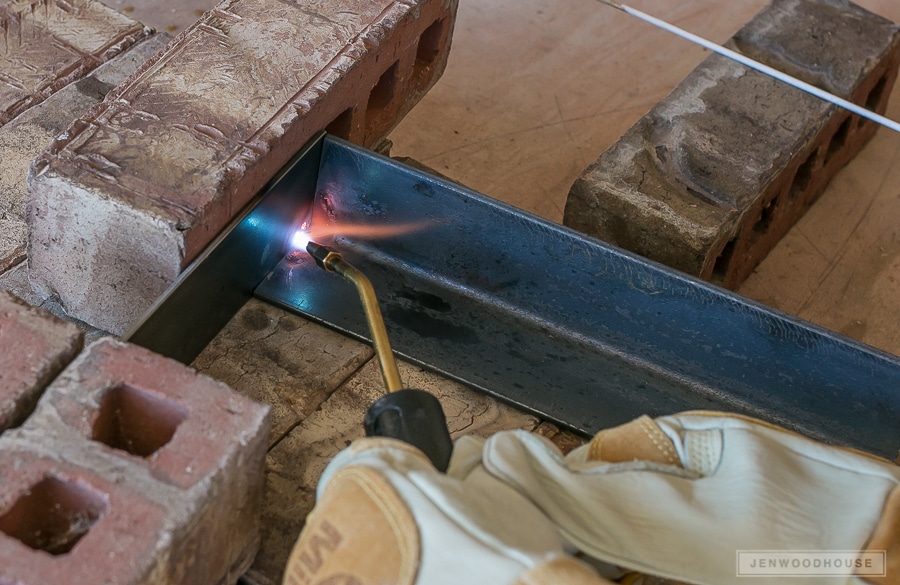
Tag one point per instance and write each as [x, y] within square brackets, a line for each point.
[46, 46]
[132, 469]
[715, 174]
[140, 185]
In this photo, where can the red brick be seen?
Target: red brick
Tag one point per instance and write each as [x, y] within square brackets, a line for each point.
[182, 440]
[124, 530]
[194, 422]
[47, 44]
[715, 174]
[34, 347]
[140, 185]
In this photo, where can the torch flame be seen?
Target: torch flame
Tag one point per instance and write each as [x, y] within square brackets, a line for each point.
[300, 238]
[325, 231]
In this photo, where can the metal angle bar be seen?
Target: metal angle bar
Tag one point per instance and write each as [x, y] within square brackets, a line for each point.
[568, 327]
[221, 280]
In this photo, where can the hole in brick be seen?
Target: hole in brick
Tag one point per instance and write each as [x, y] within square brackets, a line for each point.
[874, 97]
[803, 175]
[136, 421]
[764, 222]
[723, 262]
[340, 126]
[430, 44]
[53, 515]
[838, 140]
[383, 92]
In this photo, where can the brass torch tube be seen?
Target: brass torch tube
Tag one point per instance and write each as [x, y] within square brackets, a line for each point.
[336, 263]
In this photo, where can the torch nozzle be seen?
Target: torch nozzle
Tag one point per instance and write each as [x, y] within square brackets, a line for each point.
[320, 254]
[332, 261]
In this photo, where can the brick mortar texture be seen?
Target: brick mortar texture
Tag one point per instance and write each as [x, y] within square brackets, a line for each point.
[34, 347]
[47, 44]
[715, 174]
[137, 187]
[24, 137]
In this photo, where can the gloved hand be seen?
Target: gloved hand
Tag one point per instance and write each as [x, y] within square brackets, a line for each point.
[384, 515]
[679, 496]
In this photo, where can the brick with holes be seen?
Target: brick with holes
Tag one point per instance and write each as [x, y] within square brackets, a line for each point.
[717, 172]
[157, 430]
[61, 523]
[34, 347]
[137, 188]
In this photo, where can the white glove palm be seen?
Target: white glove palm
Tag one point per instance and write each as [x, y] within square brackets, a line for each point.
[680, 496]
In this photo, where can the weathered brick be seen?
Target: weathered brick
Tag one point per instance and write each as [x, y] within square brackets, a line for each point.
[140, 185]
[15, 281]
[47, 44]
[281, 359]
[183, 442]
[61, 523]
[716, 173]
[23, 138]
[296, 463]
[34, 347]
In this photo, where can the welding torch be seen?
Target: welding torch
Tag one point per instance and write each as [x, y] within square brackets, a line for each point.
[408, 414]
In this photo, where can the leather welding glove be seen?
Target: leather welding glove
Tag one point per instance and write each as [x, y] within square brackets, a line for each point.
[680, 495]
[384, 515]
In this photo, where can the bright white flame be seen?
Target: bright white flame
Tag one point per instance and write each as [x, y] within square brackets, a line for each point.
[300, 239]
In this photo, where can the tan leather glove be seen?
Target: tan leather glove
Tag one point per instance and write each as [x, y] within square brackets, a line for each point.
[384, 515]
[679, 496]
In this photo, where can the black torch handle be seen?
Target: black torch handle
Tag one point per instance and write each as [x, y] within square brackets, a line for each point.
[415, 417]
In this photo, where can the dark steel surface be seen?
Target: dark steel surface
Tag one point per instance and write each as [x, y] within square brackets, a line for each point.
[569, 328]
[218, 283]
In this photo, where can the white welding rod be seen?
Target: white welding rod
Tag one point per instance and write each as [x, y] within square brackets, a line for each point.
[752, 64]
